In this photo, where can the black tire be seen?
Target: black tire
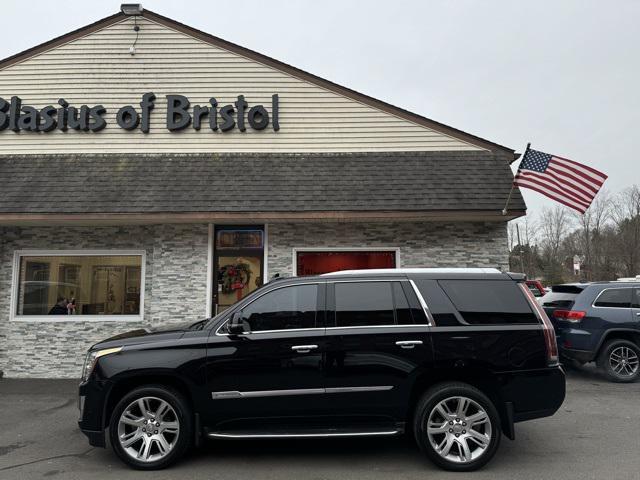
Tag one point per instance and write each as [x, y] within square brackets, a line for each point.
[183, 415]
[428, 402]
[605, 361]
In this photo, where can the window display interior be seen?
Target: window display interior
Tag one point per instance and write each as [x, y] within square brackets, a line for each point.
[79, 285]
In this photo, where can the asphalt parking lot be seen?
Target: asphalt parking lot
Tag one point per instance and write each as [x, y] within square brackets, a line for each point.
[595, 435]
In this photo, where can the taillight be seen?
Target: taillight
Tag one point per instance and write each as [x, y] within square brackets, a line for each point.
[569, 315]
[550, 342]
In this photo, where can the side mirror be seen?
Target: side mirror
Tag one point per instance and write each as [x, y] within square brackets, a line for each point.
[236, 325]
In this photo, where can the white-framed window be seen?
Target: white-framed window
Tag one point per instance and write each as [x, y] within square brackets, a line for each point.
[78, 285]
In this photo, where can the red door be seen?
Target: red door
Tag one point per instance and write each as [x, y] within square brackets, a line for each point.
[316, 263]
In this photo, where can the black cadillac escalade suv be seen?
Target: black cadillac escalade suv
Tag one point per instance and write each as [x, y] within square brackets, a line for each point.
[454, 356]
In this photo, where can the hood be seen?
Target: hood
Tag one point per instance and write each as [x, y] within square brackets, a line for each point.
[142, 335]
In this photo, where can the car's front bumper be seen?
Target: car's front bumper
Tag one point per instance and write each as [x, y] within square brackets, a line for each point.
[92, 402]
[96, 438]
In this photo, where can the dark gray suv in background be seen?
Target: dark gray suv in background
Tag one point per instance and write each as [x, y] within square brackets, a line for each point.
[598, 322]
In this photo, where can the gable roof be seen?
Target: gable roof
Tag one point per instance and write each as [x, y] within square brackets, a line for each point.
[509, 153]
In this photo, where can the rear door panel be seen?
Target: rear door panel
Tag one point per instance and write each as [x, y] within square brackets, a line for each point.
[370, 368]
[369, 373]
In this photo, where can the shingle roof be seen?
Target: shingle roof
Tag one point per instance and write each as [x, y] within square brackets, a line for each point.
[115, 183]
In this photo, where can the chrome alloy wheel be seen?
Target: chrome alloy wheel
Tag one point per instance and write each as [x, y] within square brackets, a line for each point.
[624, 361]
[459, 429]
[148, 429]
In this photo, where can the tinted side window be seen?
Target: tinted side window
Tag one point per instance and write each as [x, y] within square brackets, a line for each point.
[364, 303]
[418, 315]
[440, 306]
[489, 302]
[614, 298]
[403, 312]
[635, 303]
[283, 309]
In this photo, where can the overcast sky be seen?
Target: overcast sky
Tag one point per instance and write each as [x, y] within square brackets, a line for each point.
[564, 75]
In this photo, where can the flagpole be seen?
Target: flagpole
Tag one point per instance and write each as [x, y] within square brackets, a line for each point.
[513, 184]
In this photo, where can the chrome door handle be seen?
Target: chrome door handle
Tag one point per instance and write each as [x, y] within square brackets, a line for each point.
[408, 343]
[638, 314]
[304, 348]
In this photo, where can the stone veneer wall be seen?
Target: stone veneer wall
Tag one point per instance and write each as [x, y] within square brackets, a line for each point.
[175, 292]
[176, 274]
[422, 244]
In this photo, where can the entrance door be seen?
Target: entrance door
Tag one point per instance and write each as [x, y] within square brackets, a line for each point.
[238, 264]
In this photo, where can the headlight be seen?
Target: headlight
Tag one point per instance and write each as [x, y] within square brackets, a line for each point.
[92, 358]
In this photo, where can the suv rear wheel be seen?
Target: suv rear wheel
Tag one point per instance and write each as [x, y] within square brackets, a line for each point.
[457, 426]
[620, 360]
[151, 427]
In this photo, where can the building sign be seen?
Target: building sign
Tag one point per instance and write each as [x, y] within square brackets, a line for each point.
[238, 239]
[180, 115]
[576, 264]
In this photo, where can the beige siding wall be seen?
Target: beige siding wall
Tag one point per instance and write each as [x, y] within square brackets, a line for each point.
[98, 69]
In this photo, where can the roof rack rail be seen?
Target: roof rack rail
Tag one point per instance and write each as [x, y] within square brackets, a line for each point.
[276, 278]
[628, 279]
[412, 270]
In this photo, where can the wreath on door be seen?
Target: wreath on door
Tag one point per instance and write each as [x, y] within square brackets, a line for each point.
[234, 277]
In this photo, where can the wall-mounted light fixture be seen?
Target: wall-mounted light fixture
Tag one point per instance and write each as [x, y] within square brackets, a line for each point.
[133, 10]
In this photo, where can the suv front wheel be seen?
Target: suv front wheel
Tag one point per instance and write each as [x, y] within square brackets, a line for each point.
[457, 426]
[620, 360]
[151, 427]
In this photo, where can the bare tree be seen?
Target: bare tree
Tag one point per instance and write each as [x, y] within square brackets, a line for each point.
[511, 234]
[528, 228]
[606, 237]
[521, 250]
[626, 215]
[589, 235]
[553, 227]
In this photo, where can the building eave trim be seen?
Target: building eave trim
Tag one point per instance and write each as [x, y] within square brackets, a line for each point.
[45, 219]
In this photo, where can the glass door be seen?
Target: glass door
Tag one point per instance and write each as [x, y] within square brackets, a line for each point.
[238, 264]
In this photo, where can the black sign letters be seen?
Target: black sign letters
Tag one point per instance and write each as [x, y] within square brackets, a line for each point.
[26, 118]
[17, 117]
[179, 116]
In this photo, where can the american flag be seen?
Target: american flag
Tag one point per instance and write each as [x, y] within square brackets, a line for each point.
[563, 180]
